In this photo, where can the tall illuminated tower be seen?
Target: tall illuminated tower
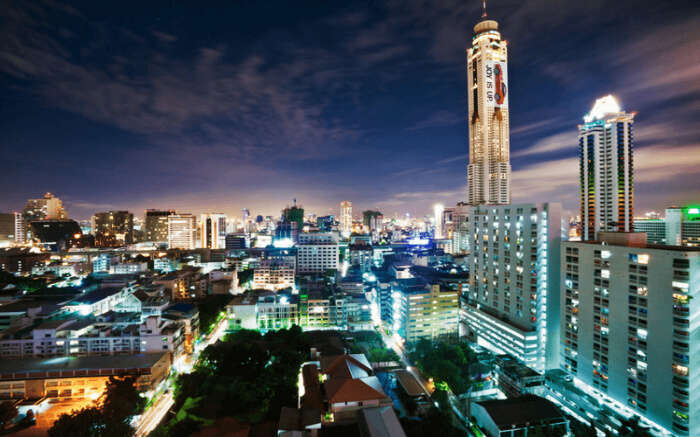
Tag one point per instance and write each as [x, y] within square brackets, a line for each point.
[213, 231]
[346, 217]
[488, 173]
[606, 169]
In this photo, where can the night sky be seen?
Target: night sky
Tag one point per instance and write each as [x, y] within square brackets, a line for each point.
[121, 105]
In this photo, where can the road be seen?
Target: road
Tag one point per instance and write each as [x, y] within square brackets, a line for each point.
[148, 421]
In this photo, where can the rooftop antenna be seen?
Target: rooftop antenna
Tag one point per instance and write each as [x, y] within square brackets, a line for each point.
[483, 6]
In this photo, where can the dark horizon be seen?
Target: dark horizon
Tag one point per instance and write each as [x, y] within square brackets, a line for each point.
[251, 105]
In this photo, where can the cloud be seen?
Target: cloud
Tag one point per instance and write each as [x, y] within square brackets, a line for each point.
[552, 143]
[438, 119]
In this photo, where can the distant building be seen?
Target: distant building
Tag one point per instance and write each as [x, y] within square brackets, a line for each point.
[346, 217]
[7, 228]
[325, 223]
[606, 169]
[317, 252]
[424, 311]
[212, 230]
[181, 231]
[654, 228]
[681, 227]
[237, 241]
[57, 235]
[294, 214]
[273, 275]
[46, 208]
[113, 228]
[628, 329]
[156, 224]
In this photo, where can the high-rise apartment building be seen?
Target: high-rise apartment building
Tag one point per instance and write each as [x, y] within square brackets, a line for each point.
[113, 228]
[438, 211]
[606, 169]
[424, 311]
[20, 228]
[181, 231]
[156, 224]
[212, 231]
[488, 173]
[513, 299]
[346, 218]
[629, 325]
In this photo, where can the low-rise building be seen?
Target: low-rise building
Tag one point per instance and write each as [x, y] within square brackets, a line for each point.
[522, 416]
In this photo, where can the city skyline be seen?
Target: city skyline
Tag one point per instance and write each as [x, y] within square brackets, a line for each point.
[132, 137]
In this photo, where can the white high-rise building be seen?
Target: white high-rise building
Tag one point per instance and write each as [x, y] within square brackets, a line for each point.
[438, 209]
[346, 218]
[488, 173]
[629, 326]
[181, 231]
[606, 169]
[513, 298]
[212, 229]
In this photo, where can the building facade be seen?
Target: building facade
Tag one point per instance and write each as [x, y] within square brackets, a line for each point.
[273, 275]
[181, 231]
[212, 231]
[513, 299]
[346, 217]
[317, 252]
[488, 172]
[156, 224]
[606, 169]
[113, 228]
[628, 323]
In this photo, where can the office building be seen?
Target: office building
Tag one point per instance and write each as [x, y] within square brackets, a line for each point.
[606, 169]
[346, 217]
[273, 275]
[237, 241]
[317, 252]
[628, 324]
[113, 228]
[212, 231]
[513, 300]
[488, 172]
[156, 224]
[181, 231]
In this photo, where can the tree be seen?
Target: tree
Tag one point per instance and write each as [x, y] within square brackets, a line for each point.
[8, 411]
[87, 422]
[122, 400]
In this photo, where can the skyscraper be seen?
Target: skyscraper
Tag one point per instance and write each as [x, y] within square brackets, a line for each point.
[181, 230]
[606, 169]
[346, 217]
[213, 231]
[156, 224]
[438, 209]
[46, 208]
[488, 173]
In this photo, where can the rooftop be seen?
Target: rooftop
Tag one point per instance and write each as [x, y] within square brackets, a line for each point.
[40, 365]
[521, 410]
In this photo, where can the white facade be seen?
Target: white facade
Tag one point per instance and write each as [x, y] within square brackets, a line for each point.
[488, 173]
[317, 252]
[212, 229]
[513, 297]
[181, 230]
[629, 326]
[346, 218]
[606, 169]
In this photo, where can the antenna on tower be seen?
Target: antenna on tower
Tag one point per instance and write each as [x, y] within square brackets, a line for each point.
[483, 6]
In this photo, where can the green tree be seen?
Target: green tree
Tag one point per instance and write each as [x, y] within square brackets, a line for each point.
[87, 422]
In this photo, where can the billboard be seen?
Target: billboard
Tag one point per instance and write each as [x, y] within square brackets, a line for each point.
[496, 74]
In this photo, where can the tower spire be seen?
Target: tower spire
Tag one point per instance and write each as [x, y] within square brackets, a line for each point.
[483, 6]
